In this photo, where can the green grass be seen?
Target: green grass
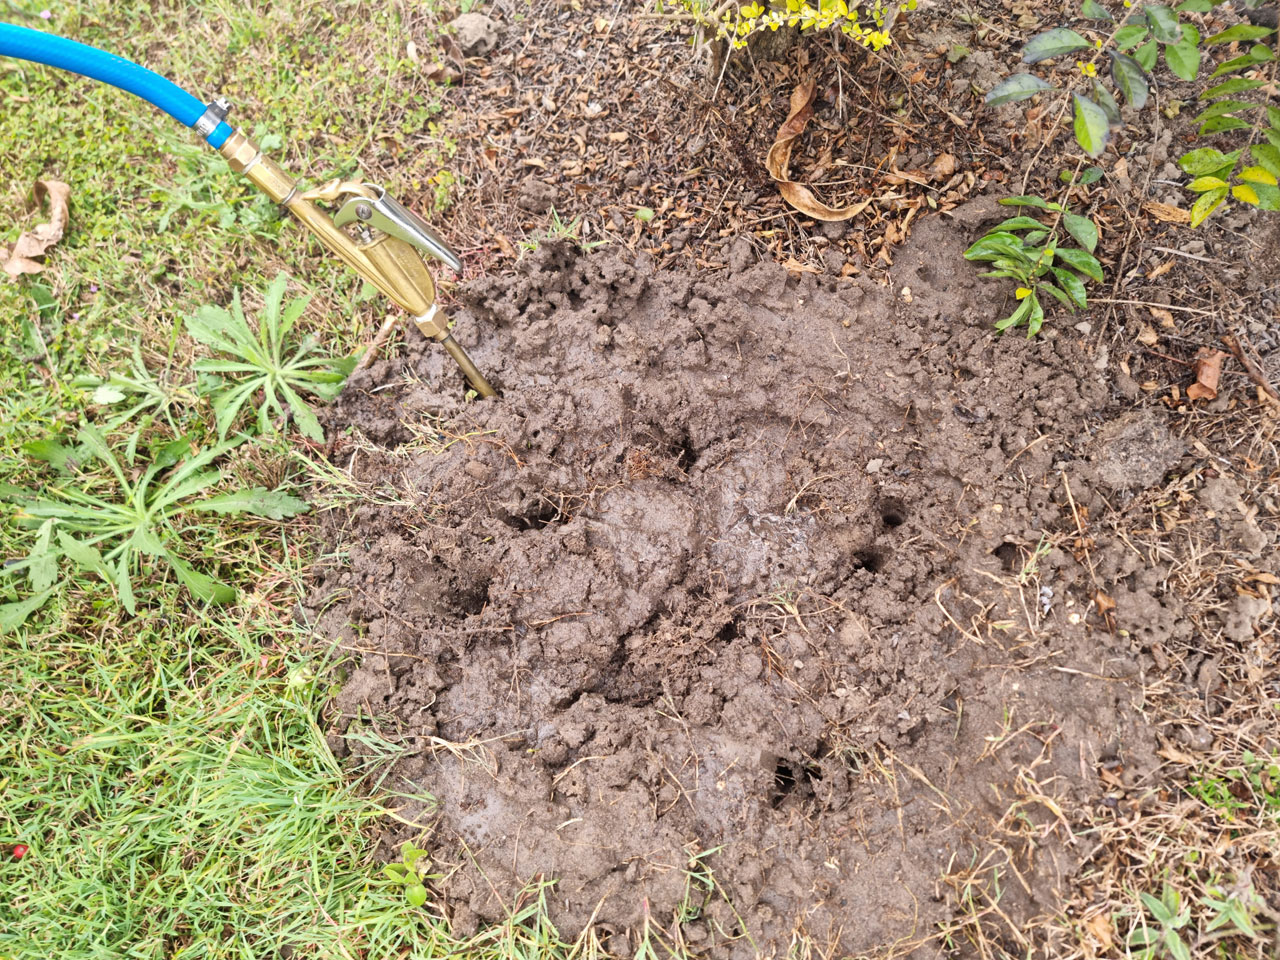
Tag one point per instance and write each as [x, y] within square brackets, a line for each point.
[169, 771]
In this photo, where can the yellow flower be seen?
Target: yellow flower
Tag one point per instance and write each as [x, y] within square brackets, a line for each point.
[1022, 293]
[1088, 69]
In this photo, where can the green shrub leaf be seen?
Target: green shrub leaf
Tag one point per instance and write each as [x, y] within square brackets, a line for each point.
[1079, 260]
[1183, 59]
[1236, 85]
[1268, 157]
[1205, 204]
[1222, 125]
[1091, 125]
[1020, 86]
[1130, 78]
[1073, 286]
[1083, 229]
[1222, 108]
[1241, 31]
[1206, 160]
[1103, 98]
[1054, 43]
[1147, 54]
[1194, 6]
[1164, 24]
[1025, 200]
[1095, 11]
[1204, 184]
[1019, 223]
[1130, 36]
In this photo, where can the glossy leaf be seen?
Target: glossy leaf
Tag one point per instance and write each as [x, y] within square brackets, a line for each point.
[1091, 125]
[1146, 55]
[1073, 286]
[1241, 31]
[1205, 184]
[1083, 229]
[1222, 125]
[1128, 37]
[1268, 157]
[1094, 10]
[1103, 98]
[1205, 204]
[1164, 24]
[1183, 59]
[1020, 86]
[1222, 108]
[1130, 78]
[1206, 160]
[1054, 43]
[1236, 85]
[1086, 263]
[1019, 223]
[1026, 200]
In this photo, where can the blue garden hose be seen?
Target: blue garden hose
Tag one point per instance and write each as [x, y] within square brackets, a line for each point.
[26, 44]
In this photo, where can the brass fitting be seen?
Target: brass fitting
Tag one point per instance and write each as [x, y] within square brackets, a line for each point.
[388, 262]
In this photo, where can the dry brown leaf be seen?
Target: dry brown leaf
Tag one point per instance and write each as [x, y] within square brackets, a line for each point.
[1161, 270]
[1164, 316]
[1208, 370]
[1148, 336]
[943, 167]
[17, 260]
[778, 160]
[1105, 603]
[1099, 926]
[1172, 753]
[1167, 213]
[504, 245]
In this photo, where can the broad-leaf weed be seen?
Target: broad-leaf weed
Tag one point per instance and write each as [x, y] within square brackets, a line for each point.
[263, 362]
[114, 522]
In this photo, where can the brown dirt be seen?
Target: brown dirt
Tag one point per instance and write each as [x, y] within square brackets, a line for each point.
[788, 567]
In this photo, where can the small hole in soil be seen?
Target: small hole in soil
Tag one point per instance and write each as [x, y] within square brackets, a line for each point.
[1007, 553]
[868, 560]
[686, 455]
[892, 513]
[730, 632]
[544, 514]
[792, 778]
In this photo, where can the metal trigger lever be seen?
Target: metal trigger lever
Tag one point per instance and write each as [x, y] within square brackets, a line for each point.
[377, 210]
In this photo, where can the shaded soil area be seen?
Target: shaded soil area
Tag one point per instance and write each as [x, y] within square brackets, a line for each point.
[759, 609]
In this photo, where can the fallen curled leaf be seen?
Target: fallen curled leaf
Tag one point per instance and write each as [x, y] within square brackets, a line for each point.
[1099, 926]
[34, 243]
[1105, 603]
[1166, 212]
[778, 160]
[1148, 336]
[504, 245]
[1208, 371]
[942, 167]
[1164, 316]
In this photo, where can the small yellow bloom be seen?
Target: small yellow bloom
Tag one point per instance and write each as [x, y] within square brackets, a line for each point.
[1088, 69]
[1022, 293]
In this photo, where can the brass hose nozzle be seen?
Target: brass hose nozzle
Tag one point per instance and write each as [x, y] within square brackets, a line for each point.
[388, 252]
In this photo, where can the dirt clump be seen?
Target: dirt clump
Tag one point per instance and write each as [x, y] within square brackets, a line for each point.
[749, 573]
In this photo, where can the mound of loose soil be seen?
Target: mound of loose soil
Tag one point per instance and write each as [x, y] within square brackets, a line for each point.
[747, 563]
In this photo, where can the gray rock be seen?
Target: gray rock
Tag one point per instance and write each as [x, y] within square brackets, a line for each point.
[476, 33]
